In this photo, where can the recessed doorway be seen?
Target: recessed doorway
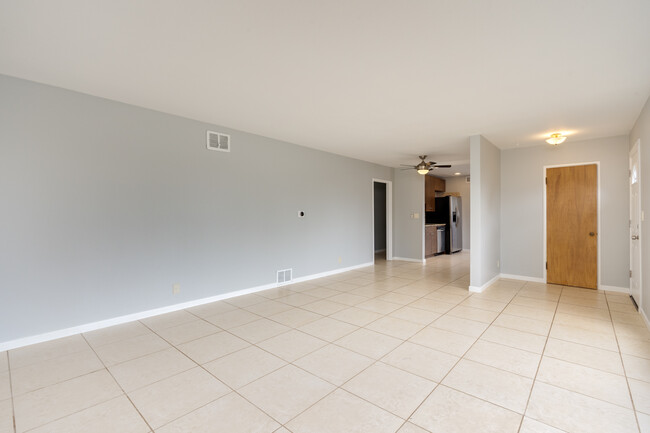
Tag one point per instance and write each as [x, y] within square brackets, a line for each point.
[382, 206]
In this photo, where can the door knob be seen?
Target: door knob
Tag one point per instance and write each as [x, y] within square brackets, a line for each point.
[592, 234]
[635, 237]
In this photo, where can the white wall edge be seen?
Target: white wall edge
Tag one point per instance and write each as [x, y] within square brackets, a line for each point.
[625, 290]
[523, 278]
[407, 259]
[48, 336]
[479, 289]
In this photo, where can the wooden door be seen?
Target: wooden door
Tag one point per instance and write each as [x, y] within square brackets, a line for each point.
[572, 226]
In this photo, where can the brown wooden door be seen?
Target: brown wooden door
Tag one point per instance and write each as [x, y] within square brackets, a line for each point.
[572, 225]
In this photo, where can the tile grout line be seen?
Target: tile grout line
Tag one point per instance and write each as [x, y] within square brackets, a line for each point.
[541, 358]
[454, 366]
[232, 390]
[118, 384]
[11, 393]
[627, 380]
[337, 387]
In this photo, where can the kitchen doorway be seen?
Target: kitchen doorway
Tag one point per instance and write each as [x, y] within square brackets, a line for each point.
[635, 223]
[572, 225]
[382, 219]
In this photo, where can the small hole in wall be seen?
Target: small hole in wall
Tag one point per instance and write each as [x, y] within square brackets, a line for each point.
[301, 214]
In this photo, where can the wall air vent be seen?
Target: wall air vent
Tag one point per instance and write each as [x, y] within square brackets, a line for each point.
[467, 179]
[284, 276]
[218, 141]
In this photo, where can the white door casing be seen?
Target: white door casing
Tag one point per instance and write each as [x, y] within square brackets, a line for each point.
[635, 223]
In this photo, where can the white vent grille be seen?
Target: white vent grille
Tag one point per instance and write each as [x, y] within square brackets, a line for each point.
[467, 179]
[218, 141]
[284, 276]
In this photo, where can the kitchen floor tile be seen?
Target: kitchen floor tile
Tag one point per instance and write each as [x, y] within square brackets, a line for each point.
[334, 364]
[244, 366]
[422, 361]
[45, 405]
[445, 341]
[292, 345]
[450, 411]
[390, 388]
[230, 413]
[50, 372]
[213, 346]
[171, 398]
[505, 358]
[573, 412]
[369, 343]
[328, 329]
[344, 412]
[584, 380]
[116, 415]
[488, 383]
[286, 392]
[148, 369]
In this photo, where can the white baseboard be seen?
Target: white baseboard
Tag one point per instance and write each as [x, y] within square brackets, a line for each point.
[523, 278]
[614, 289]
[407, 259]
[645, 318]
[40, 338]
[479, 289]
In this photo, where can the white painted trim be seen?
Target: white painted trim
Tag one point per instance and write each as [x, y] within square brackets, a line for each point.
[87, 327]
[625, 290]
[408, 259]
[389, 216]
[523, 278]
[477, 289]
[637, 148]
[599, 258]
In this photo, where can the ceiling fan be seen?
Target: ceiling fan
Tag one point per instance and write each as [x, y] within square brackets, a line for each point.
[424, 166]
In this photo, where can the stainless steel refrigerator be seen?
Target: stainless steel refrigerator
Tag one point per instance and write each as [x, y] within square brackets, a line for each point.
[448, 211]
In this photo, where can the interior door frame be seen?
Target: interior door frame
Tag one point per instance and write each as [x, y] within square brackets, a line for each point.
[574, 164]
[389, 217]
[637, 148]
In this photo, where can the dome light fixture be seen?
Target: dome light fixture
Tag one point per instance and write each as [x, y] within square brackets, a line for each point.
[556, 138]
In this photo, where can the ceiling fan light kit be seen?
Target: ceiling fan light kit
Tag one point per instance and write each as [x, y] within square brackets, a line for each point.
[425, 166]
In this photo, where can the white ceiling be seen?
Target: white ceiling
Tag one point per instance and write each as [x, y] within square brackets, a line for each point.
[379, 80]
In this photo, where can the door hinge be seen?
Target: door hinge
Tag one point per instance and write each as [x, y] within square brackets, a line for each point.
[630, 273]
[546, 265]
[546, 180]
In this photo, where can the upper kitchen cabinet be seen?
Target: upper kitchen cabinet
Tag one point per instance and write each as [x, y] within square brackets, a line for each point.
[431, 185]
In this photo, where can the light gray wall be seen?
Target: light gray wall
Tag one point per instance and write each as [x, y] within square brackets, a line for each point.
[408, 198]
[522, 210]
[485, 172]
[458, 184]
[641, 130]
[106, 205]
[380, 216]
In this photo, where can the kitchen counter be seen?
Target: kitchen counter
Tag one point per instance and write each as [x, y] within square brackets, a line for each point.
[434, 225]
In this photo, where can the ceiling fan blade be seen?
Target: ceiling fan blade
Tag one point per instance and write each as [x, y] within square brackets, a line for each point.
[406, 165]
[442, 166]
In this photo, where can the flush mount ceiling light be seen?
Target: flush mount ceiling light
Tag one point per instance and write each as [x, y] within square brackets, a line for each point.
[556, 138]
[456, 174]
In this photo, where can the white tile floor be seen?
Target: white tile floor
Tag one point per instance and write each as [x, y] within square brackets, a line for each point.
[398, 347]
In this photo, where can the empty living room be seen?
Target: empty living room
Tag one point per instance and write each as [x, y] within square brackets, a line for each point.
[324, 217]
